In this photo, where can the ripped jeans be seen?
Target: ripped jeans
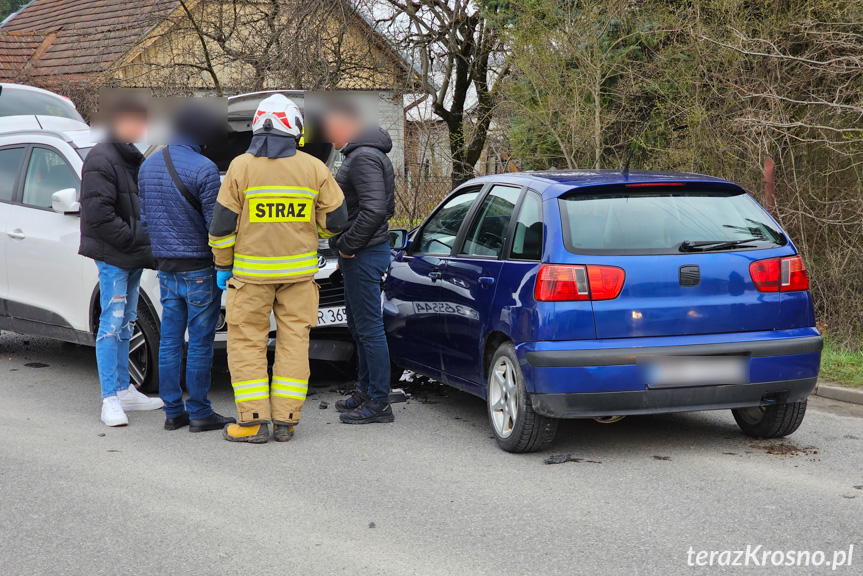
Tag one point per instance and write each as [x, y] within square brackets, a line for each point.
[118, 295]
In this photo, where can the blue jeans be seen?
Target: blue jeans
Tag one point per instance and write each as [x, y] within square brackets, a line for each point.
[118, 296]
[362, 275]
[190, 301]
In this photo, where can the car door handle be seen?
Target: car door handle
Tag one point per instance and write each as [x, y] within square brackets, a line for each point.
[17, 234]
[434, 275]
[486, 281]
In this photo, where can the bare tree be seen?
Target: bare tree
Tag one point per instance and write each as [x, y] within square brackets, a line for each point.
[247, 45]
[458, 49]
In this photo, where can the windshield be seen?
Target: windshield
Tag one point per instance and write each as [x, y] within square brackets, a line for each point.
[665, 222]
[26, 102]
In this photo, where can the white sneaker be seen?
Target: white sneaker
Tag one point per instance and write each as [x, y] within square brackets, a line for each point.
[112, 412]
[134, 400]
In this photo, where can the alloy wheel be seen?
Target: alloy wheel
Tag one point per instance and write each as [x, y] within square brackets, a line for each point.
[139, 354]
[503, 397]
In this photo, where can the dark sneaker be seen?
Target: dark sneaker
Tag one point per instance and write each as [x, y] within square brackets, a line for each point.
[368, 412]
[254, 434]
[283, 433]
[212, 422]
[177, 422]
[352, 402]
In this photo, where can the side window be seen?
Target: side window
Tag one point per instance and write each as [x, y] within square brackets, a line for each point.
[10, 161]
[487, 233]
[47, 173]
[439, 233]
[527, 238]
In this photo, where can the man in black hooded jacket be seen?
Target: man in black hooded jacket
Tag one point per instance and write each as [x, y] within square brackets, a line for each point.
[367, 178]
[112, 235]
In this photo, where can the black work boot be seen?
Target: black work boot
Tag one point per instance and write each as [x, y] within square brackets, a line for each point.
[212, 422]
[369, 412]
[352, 402]
[283, 432]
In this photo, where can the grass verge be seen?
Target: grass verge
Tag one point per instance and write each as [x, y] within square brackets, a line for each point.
[840, 366]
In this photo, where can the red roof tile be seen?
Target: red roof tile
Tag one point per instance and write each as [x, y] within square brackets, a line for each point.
[74, 37]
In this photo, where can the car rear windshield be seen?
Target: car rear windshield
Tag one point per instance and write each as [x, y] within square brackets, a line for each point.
[665, 221]
[26, 102]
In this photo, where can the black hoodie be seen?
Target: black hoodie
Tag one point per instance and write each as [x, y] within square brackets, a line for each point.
[367, 178]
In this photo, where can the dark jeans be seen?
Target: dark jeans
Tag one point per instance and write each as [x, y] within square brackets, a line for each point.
[362, 276]
[190, 301]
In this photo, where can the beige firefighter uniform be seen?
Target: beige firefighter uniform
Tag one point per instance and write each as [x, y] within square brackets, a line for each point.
[268, 218]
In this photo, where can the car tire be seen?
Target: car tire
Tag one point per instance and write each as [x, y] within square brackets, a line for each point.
[525, 430]
[144, 352]
[773, 421]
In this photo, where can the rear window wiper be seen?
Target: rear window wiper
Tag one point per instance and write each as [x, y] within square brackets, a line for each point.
[713, 245]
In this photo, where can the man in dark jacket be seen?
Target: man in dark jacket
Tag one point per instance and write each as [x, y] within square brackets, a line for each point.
[177, 222]
[366, 177]
[112, 235]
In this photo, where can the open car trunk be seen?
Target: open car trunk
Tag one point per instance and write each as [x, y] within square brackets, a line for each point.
[241, 111]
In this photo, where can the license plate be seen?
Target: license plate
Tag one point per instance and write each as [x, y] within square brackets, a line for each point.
[680, 371]
[445, 308]
[332, 316]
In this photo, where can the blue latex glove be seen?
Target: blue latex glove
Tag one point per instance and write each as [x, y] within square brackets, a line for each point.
[222, 277]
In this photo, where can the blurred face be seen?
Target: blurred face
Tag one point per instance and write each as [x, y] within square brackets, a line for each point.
[129, 127]
[341, 128]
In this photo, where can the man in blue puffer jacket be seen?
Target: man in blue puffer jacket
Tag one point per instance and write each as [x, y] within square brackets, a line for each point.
[177, 222]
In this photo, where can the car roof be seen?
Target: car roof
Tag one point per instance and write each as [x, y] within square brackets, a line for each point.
[26, 88]
[551, 183]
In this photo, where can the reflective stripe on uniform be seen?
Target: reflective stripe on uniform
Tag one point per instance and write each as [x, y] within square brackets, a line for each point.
[275, 265]
[290, 388]
[324, 234]
[280, 191]
[251, 390]
[224, 242]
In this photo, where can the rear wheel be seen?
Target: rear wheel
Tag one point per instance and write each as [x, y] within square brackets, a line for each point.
[516, 427]
[773, 421]
[144, 352]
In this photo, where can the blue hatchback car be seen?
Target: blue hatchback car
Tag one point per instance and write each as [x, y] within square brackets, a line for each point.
[597, 294]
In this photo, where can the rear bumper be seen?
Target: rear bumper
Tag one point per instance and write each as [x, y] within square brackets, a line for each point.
[589, 378]
[663, 400]
[624, 356]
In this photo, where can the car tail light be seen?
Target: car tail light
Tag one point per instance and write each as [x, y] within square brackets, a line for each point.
[779, 274]
[562, 283]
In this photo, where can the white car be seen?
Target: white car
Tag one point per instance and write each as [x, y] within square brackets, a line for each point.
[47, 289]
[21, 100]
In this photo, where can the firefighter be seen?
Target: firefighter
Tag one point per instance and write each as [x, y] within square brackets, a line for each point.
[274, 204]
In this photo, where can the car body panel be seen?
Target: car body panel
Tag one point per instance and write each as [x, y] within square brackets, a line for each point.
[654, 314]
[468, 287]
[414, 326]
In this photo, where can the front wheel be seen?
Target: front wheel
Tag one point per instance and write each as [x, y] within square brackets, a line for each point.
[144, 352]
[773, 421]
[516, 427]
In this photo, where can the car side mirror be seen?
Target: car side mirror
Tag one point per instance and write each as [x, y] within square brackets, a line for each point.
[66, 201]
[398, 238]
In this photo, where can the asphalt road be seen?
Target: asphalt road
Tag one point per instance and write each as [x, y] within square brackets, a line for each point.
[430, 494]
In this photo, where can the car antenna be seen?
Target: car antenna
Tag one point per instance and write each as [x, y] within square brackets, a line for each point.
[624, 168]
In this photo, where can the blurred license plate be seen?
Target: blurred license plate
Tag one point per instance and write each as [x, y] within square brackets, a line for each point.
[332, 316]
[671, 371]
